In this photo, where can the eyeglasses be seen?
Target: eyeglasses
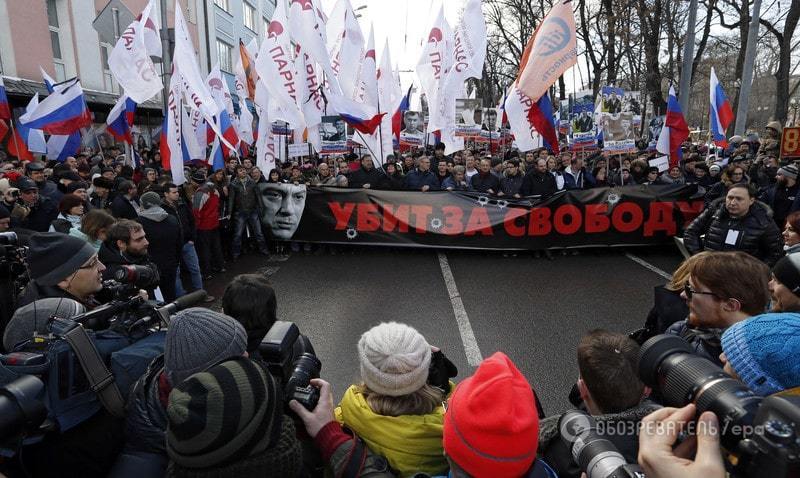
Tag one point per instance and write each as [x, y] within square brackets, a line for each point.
[92, 264]
[687, 289]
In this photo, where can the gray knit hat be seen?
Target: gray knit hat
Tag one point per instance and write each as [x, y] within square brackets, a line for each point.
[53, 256]
[35, 317]
[197, 339]
[395, 359]
[150, 199]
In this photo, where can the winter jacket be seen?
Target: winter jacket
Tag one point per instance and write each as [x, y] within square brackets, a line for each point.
[705, 342]
[185, 218]
[164, 235]
[146, 417]
[98, 202]
[49, 189]
[511, 185]
[410, 443]
[482, 183]
[668, 308]
[205, 207]
[783, 202]
[39, 218]
[583, 179]
[122, 208]
[242, 196]
[374, 177]
[450, 184]
[621, 431]
[64, 223]
[416, 179]
[756, 234]
[538, 184]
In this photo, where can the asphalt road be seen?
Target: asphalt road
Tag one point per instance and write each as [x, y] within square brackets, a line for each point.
[532, 309]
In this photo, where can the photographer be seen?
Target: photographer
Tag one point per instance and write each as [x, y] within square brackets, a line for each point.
[126, 245]
[197, 339]
[251, 301]
[32, 211]
[262, 440]
[62, 266]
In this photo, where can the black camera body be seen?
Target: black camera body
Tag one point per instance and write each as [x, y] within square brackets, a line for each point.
[759, 434]
[290, 358]
[13, 274]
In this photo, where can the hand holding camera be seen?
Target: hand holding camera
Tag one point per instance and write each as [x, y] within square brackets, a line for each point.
[316, 419]
[658, 434]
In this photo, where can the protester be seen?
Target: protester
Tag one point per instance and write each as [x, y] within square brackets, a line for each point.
[367, 176]
[206, 204]
[791, 233]
[457, 181]
[125, 204]
[511, 182]
[165, 239]
[738, 223]
[71, 211]
[94, 227]
[576, 176]
[421, 178]
[485, 181]
[784, 285]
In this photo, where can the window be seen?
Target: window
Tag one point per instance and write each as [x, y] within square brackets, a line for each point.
[52, 13]
[56, 44]
[224, 56]
[249, 16]
[223, 4]
[61, 72]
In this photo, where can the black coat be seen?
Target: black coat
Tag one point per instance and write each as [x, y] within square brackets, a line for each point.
[41, 215]
[374, 177]
[668, 308]
[538, 184]
[146, 418]
[121, 208]
[166, 242]
[757, 233]
[185, 218]
[483, 184]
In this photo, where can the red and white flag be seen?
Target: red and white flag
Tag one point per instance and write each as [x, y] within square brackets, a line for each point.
[308, 28]
[171, 144]
[130, 61]
[346, 47]
[516, 107]
[436, 59]
[390, 96]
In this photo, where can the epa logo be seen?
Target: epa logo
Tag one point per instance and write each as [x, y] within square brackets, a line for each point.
[557, 36]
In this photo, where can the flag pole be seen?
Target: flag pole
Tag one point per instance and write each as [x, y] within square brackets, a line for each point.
[14, 135]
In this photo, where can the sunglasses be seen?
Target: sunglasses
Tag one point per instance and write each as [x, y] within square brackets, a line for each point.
[687, 289]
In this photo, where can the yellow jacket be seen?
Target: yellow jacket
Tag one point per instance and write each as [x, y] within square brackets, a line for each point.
[410, 443]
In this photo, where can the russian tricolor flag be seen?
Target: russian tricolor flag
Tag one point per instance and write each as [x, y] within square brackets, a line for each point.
[541, 117]
[120, 119]
[358, 115]
[5, 110]
[63, 112]
[166, 156]
[674, 132]
[721, 114]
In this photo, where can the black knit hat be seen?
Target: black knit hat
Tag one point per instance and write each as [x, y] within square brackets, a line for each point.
[52, 256]
[230, 415]
[787, 271]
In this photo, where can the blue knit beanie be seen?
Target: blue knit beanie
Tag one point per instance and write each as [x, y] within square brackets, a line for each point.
[763, 351]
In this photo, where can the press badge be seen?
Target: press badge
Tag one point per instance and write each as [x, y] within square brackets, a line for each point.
[733, 236]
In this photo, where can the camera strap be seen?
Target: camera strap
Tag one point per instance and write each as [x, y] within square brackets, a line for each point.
[100, 377]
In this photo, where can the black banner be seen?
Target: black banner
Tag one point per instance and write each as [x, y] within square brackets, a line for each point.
[630, 215]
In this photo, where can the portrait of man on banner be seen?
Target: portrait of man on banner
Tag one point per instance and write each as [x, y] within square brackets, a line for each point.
[490, 122]
[412, 124]
[282, 206]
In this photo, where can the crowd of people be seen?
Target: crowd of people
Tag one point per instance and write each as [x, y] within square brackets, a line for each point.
[210, 406]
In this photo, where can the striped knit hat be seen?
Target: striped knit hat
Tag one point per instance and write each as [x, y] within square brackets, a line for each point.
[231, 416]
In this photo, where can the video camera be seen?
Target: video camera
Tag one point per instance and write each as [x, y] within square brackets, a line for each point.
[13, 274]
[596, 455]
[290, 357]
[759, 434]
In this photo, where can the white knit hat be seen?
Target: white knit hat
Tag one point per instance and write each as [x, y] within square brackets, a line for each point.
[395, 359]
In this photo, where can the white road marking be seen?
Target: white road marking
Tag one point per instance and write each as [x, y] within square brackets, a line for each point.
[648, 266]
[471, 349]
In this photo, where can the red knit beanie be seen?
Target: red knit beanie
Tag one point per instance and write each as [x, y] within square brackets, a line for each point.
[491, 428]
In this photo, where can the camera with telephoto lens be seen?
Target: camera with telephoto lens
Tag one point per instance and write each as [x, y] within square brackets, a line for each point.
[596, 455]
[138, 276]
[290, 358]
[759, 435]
[13, 274]
[22, 409]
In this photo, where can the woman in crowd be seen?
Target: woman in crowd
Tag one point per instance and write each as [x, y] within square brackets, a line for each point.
[94, 227]
[733, 175]
[71, 210]
[274, 176]
[552, 168]
[674, 176]
[791, 233]
[394, 179]
[394, 410]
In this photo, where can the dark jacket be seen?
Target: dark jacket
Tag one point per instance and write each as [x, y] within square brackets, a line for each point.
[483, 183]
[538, 184]
[34, 291]
[511, 185]
[416, 179]
[668, 308]
[185, 217]
[582, 180]
[121, 208]
[242, 197]
[705, 342]
[146, 417]
[374, 177]
[621, 428]
[39, 218]
[783, 202]
[450, 183]
[164, 235]
[757, 233]
[98, 202]
[49, 189]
